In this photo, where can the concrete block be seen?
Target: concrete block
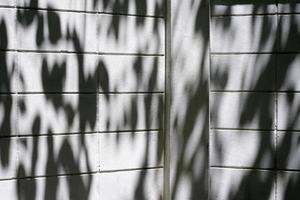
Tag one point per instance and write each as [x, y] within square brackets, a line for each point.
[7, 28]
[42, 30]
[62, 187]
[237, 7]
[228, 184]
[40, 72]
[288, 33]
[8, 72]
[7, 3]
[288, 150]
[130, 112]
[242, 110]
[131, 34]
[141, 7]
[141, 184]
[41, 114]
[131, 74]
[55, 155]
[288, 6]
[73, 5]
[51, 30]
[288, 184]
[85, 5]
[288, 111]
[242, 149]
[130, 150]
[8, 158]
[243, 34]
[44, 72]
[84, 30]
[8, 115]
[46, 4]
[92, 32]
[243, 72]
[8, 189]
[287, 72]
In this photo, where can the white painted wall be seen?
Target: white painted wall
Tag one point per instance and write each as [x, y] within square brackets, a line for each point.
[83, 90]
[254, 104]
[82, 86]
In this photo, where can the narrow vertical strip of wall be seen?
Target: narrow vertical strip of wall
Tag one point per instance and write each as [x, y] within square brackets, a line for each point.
[189, 117]
[168, 89]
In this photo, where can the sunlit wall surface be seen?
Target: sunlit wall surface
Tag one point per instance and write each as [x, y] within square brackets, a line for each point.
[82, 99]
[86, 104]
[190, 104]
[254, 100]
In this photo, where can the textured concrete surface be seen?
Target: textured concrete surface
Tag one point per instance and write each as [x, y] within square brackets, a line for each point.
[82, 88]
[242, 72]
[254, 100]
[82, 96]
[242, 149]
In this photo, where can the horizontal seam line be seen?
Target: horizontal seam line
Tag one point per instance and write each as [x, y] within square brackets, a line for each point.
[287, 13]
[82, 52]
[245, 168]
[256, 169]
[254, 53]
[50, 176]
[79, 93]
[254, 91]
[242, 91]
[243, 15]
[159, 92]
[281, 131]
[243, 129]
[235, 130]
[81, 11]
[132, 15]
[20, 135]
[130, 169]
[129, 131]
[83, 133]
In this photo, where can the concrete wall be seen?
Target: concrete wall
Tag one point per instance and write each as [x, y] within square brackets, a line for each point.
[82, 86]
[254, 103]
[189, 119]
[133, 99]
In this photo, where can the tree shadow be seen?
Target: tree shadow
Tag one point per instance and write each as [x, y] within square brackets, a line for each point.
[52, 111]
[76, 117]
[257, 167]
